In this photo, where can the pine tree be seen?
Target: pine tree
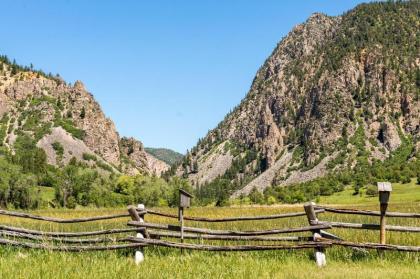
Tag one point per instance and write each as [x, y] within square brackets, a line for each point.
[83, 113]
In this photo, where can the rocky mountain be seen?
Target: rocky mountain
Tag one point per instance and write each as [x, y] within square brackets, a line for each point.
[167, 155]
[336, 93]
[139, 158]
[65, 121]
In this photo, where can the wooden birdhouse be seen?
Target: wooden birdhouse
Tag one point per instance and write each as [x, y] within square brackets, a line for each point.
[384, 189]
[184, 198]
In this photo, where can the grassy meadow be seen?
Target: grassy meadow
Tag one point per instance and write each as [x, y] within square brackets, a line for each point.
[401, 194]
[169, 263]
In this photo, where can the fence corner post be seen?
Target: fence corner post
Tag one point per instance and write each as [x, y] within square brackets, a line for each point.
[139, 254]
[384, 189]
[316, 234]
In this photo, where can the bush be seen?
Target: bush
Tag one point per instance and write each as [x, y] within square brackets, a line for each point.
[29, 156]
[83, 113]
[71, 202]
[256, 196]
[68, 125]
[405, 179]
[104, 166]
[88, 157]
[271, 200]
[58, 148]
[371, 191]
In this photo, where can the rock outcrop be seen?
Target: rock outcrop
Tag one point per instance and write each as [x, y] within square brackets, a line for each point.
[345, 85]
[139, 159]
[51, 111]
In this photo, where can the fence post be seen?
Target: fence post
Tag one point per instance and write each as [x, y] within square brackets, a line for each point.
[184, 202]
[139, 254]
[384, 189]
[312, 219]
[181, 220]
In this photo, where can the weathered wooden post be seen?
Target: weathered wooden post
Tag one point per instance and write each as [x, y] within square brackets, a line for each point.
[312, 219]
[184, 202]
[139, 254]
[384, 189]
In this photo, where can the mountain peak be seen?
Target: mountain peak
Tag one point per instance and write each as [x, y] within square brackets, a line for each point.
[78, 85]
[65, 122]
[336, 93]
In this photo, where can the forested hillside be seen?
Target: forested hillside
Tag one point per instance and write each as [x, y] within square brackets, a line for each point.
[337, 103]
[168, 156]
[57, 148]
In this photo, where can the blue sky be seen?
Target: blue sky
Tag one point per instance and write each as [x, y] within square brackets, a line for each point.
[164, 71]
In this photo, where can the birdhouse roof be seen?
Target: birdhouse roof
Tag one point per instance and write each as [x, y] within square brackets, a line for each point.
[384, 187]
[185, 193]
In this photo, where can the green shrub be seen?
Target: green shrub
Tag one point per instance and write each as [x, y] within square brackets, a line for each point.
[271, 200]
[71, 202]
[371, 191]
[104, 166]
[67, 124]
[58, 148]
[89, 157]
[29, 156]
[256, 196]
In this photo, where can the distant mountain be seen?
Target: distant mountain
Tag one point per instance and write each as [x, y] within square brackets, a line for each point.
[166, 155]
[43, 114]
[337, 93]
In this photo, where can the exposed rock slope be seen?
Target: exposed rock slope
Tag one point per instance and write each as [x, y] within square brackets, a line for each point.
[64, 119]
[336, 91]
[138, 158]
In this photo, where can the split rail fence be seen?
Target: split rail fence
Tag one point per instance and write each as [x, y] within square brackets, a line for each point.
[159, 234]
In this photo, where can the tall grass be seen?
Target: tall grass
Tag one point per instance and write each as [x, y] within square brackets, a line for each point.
[169, 263]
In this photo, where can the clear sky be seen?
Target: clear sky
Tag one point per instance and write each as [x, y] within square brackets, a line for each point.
[164, 71]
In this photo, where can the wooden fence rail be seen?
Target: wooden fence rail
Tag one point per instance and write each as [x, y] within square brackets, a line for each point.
[60, 220]
[367, 212]
[155, 242]
[62, 239]
[368, 226]
[160, 234]
[151, 234]
[68, 234]
[78, 248]
[320, 243]
[226, 232]
[375, 246]
[228, 219]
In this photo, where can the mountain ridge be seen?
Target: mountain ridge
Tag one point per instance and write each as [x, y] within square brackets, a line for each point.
[167, 155]
[51, 112]
[335, 92]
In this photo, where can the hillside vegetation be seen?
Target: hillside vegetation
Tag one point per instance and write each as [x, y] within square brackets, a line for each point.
[64, 121]
[336, 104]
[167, 155]
[55, 139]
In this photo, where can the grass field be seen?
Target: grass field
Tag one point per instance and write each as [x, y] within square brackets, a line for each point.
[167, 263]
[401, 193]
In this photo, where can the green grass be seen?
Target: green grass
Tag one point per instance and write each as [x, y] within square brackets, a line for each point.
[401, 193]
[169, 263]
[47, 193]
[194, 265]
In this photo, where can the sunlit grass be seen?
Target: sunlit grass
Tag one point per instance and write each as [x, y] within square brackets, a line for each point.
[401, 193]
[169, 263]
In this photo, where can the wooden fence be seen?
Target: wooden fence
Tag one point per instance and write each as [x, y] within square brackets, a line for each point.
[159, 234]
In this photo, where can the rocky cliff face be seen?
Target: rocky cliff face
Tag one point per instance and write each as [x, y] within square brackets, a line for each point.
[139, 159]
[64, 119]
[335, 91]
